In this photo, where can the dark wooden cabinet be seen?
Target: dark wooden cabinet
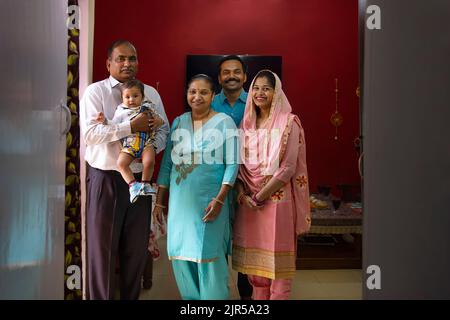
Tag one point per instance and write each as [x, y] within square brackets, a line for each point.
[334, 251]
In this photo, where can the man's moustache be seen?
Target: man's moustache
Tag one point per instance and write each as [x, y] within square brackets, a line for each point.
[232, 79]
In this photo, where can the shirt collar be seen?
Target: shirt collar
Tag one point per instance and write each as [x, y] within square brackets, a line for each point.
[242, 96]
[222, 97]
[113, 81]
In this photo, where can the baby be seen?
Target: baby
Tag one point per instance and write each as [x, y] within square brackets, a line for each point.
[139, 145]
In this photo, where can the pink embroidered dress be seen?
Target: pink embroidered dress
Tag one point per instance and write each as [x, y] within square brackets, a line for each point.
[265, 240]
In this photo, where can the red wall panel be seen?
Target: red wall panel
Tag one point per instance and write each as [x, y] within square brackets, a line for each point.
[318, 41]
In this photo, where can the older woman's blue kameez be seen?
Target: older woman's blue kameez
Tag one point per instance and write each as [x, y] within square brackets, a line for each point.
[194, 167]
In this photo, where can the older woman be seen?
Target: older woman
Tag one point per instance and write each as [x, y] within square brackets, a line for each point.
[272, 190]
[199, 171]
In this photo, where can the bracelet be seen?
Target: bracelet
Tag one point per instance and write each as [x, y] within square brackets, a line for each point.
[219, 201]
[239, 199]
[258, 203]
[160, 206]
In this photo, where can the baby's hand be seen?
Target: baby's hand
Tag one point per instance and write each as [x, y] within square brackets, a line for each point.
[100, 118]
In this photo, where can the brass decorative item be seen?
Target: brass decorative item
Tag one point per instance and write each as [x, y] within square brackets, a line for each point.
[336, 118]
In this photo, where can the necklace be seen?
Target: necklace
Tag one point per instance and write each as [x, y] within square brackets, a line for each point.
[260, 123]
[198, 123]
[203, 118]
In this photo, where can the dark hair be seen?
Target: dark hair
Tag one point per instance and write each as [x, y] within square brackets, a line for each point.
[268, 75]
[232, 57]
[204, 77]
[117, 43]
[133, 83]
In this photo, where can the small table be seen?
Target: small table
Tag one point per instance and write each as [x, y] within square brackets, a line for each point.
[345, 220]
[334, 240]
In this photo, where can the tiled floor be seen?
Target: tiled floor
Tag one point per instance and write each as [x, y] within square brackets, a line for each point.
[308, 284]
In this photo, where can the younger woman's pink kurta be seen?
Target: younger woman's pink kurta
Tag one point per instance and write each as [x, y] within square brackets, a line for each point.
[265, 240]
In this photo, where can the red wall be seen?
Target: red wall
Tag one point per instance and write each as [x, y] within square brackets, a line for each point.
[318, 41]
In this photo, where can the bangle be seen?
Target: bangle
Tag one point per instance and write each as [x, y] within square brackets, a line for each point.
[219, 201]
[258, 203]
[239, 199]
[160, 206]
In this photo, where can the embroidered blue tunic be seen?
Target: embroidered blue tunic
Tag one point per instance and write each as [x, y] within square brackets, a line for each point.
[193, 184]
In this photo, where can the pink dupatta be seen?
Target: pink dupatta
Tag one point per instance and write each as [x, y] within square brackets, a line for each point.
[262, 151]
